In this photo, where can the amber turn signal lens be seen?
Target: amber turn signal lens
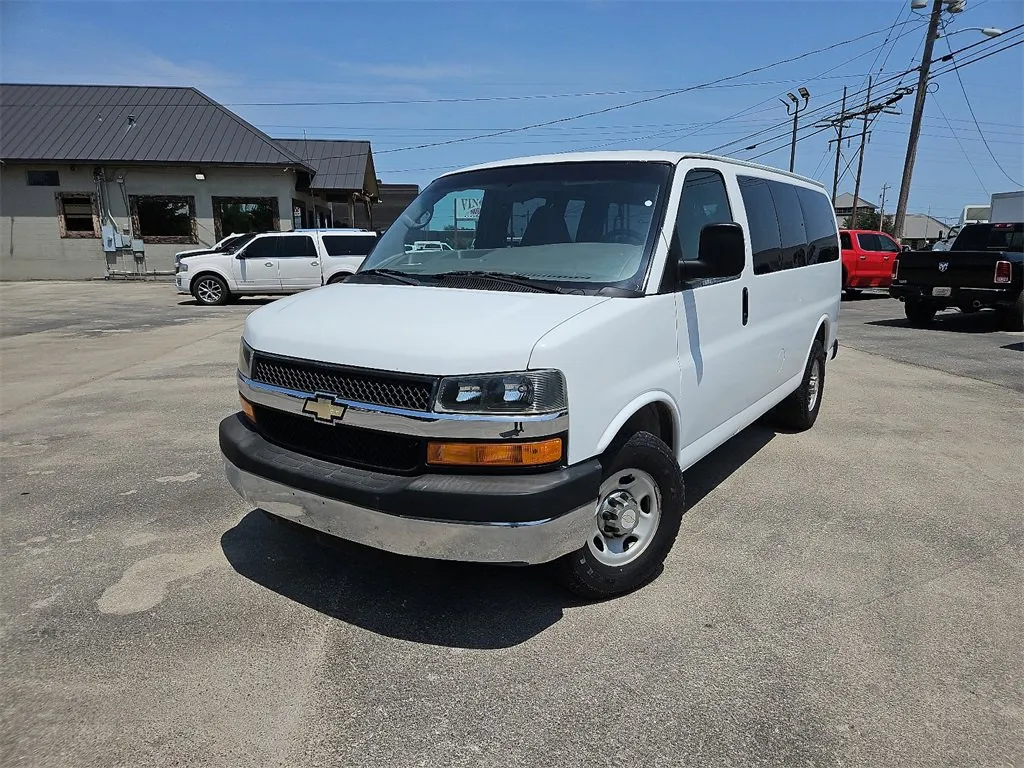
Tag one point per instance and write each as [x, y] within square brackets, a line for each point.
[495, 454]
[248, 410]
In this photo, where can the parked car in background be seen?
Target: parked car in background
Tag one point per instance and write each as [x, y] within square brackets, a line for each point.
[982, 270]
[232, 242]
[274, 263]
[540, 402]
[867, 259]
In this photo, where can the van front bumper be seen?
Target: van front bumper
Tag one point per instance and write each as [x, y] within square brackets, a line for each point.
[509, 519]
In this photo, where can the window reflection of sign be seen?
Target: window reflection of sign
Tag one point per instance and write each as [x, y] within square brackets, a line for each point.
[467, 208]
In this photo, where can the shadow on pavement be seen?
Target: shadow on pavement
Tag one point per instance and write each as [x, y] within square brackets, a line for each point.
[243, 301]
[951, 322]
[460, 605]
[1018, 347]
[865, 294]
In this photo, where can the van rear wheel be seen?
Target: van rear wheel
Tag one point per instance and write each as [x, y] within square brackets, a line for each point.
[639, 509]
[799, 411]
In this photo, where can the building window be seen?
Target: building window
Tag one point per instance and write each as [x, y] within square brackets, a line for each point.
[164, 219]
[236, 215]
[42, 178]
[77, 215]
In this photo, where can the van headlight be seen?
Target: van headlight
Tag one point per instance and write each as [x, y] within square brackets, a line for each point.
[525, 392]
[245, 359]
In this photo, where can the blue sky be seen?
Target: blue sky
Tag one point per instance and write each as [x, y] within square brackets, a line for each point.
[531, 60]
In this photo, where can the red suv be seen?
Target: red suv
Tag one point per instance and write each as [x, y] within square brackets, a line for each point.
[867, 259]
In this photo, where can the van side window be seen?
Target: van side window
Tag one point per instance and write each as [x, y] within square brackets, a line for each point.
[820, 220]
[791, 225]
[704, 201]
[765, 238]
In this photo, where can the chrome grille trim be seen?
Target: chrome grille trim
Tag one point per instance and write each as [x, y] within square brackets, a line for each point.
[407, 422]
[413, 393]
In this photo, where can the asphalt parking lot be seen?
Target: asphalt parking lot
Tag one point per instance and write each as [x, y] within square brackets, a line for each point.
[846, 596]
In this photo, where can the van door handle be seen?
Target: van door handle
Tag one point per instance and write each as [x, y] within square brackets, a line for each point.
[268, 263]
[746, 306]
[314, 263]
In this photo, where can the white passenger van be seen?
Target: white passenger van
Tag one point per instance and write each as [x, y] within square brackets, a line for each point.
[273, 263]
[539, 402]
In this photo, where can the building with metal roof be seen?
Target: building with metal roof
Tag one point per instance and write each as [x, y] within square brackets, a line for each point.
[103, 179]
[844, 205]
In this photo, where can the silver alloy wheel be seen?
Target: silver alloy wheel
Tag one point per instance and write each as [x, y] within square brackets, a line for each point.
[209, 290]
[628, 513]
[813, 385]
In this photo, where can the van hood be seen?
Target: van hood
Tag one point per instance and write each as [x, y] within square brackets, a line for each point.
[412, 329]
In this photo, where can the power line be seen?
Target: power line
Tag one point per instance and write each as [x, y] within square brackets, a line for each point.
[984, 55]
[677, 135]
[956, 68]
[605, 110]
[962, 149]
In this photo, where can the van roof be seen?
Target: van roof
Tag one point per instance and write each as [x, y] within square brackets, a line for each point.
[634, 155]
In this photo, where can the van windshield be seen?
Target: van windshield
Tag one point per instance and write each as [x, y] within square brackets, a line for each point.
[572, 225]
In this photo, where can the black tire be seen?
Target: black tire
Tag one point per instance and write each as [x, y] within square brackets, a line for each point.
[338, 278]
[1011, 318]
[799, 411]
[919, 313]
[581, 571]
[210, 290]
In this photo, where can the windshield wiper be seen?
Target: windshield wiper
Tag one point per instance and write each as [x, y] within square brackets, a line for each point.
[503, 277]
[394, 274]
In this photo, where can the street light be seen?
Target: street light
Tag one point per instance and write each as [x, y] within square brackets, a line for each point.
[986, 31]
[806, 95]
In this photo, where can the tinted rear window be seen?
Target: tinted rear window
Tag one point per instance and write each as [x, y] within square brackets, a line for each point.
[349, 245]
[990, 237]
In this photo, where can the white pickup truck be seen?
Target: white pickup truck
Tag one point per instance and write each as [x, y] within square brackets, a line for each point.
[274, 263]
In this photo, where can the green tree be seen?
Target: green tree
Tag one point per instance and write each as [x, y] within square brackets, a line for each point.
[868, 219]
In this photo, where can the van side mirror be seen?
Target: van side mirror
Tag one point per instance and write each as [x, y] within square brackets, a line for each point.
[721, 253]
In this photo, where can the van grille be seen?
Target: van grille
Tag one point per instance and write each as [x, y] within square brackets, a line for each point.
[414, 393]
[340, 444]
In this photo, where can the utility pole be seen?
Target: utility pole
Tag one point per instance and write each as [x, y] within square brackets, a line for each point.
[881, 216]
[860, 161]
[839, 149]
[915, 120]
[796, 117]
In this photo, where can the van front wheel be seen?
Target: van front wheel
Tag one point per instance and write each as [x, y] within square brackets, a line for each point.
[639, 509]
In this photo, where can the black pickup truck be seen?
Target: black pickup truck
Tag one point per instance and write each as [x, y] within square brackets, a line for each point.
[983, 269]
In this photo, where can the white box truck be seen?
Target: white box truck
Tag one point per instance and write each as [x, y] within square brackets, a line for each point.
[1007, 207]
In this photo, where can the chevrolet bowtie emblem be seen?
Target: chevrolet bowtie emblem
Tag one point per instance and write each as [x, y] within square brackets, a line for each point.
[324, 409]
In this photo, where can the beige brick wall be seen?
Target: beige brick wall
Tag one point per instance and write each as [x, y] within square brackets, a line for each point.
[31, 246]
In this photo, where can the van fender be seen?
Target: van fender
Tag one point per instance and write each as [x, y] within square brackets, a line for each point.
[656, 396]
[825, 321]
